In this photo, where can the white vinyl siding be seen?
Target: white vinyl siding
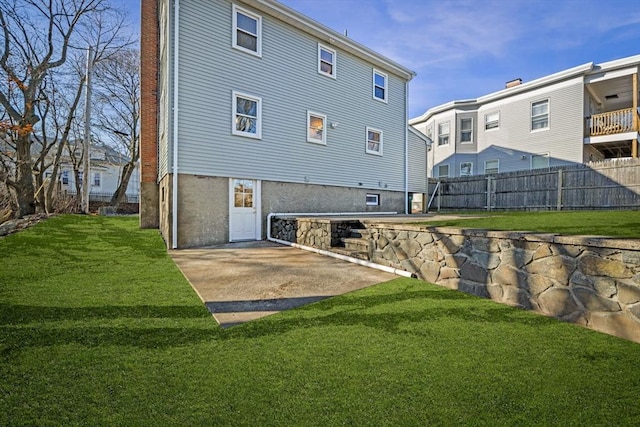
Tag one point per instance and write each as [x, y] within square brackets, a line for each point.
[380, 86]
[316, 128]
[247, 115]
[327, 61]
[540, 115]
[247, 31]
[417, 163]
[374, 141]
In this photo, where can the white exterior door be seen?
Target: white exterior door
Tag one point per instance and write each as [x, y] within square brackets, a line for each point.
[244, 210]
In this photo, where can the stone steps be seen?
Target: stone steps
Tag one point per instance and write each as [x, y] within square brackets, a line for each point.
[363, 255]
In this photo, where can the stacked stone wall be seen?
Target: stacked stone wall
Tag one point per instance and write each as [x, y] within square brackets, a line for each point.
[594, 282]
[591, 281]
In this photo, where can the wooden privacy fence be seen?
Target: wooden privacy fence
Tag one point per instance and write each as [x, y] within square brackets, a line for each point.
[599, 185]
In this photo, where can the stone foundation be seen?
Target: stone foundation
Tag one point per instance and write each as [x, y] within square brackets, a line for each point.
[591, 281]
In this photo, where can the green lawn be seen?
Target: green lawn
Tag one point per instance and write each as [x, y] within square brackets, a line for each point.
[591, 223]
[98, 327]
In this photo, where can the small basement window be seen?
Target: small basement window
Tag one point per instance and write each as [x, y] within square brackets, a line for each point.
[373, 200]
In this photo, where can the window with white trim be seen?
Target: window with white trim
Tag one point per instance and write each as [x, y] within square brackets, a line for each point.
[443, 171]
[380, 86]
[64, 177]
[466, 130]
[539, 161]
[97, 179]
[316, 128]
[247, 115]
[373, 200]
[247, 31]
[326, 61]
[540, 115]
[491, 166]
[443, 133]
[492, 120]
[466, 168]
[374, 141]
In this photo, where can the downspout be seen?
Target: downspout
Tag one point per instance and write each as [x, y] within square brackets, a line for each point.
[406, 148]
[369, 264]
[174, 202]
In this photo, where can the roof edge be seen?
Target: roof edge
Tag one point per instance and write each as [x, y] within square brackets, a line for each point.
[308, 25]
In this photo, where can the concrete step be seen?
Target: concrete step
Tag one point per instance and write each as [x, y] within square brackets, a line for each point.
[363, 255]
[357, 232]
[356, 244]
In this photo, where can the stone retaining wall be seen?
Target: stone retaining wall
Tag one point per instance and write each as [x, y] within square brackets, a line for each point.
[592, 281]
[319, 233]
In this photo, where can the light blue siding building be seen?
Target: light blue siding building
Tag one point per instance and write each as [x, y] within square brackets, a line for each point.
[263, 110]
[586, 113]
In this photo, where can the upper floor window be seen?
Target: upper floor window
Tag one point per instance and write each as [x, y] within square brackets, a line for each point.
[247, 115]
[491, 166]
[466, 169]
[466, 130]
[374, 141]
[443, 171]
[492, 120]
[443, 133]
[316, 125]
[379, 86]
[326, 61]
[539, 161]
[65, 177]
[540, 115]
[247, 31]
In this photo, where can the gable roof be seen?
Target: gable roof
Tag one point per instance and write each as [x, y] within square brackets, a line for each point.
[328, 36]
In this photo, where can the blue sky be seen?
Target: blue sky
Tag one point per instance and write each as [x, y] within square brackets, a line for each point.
[463, 49]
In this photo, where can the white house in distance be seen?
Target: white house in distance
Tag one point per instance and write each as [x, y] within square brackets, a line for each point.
[582, 114]
[105, 171]
[264, 110]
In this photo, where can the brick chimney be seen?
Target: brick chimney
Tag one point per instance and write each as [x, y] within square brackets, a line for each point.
[149, 68]
[513, 83]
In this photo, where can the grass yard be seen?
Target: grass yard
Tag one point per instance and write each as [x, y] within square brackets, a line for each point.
[624, 224]
[98, 327]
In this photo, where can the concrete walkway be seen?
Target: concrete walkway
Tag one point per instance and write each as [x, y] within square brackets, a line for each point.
[240, 282]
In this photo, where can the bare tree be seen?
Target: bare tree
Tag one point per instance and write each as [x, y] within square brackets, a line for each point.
[35, 38]
[118, 97]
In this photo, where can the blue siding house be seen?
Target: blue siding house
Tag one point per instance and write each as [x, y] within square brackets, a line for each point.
[262, 109]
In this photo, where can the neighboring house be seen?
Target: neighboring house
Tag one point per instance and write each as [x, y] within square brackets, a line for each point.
[106, 165]
[583, 114]
[263, 110]
[105, 171]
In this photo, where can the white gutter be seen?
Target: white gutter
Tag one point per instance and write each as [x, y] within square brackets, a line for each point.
[174, 207]
[369, 264]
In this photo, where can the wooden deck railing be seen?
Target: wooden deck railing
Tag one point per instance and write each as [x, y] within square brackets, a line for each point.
[610, 123]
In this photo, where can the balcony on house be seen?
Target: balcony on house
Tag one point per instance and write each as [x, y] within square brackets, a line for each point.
[612, 119]
[611, 123]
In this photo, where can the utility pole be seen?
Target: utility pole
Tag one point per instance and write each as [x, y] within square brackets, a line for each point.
[86, 181]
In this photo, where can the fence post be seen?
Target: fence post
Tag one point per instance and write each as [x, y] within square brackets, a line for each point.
[488, 193]
[559, 204]
[439, 192]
